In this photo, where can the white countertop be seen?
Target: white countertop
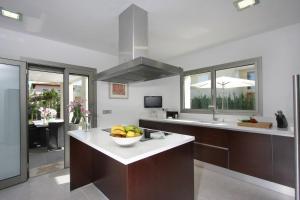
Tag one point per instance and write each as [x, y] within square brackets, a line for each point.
[228, 126]
[40, 123]
[101, 141]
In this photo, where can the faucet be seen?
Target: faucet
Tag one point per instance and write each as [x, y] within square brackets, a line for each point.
[213, 109]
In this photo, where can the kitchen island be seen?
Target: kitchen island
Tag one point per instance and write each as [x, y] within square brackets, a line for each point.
[153, 169]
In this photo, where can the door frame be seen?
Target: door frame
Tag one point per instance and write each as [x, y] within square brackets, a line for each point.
[23, 125]
[69, 69]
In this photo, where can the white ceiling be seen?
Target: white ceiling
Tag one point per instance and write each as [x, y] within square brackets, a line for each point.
[175, 26]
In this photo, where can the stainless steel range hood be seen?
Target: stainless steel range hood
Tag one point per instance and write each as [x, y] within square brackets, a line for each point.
[133, 51]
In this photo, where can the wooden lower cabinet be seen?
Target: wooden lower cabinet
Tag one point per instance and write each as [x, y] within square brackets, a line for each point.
[210, 154]
[216, 137]
[154, 125]
[211, 145]
[283, 160]
[263, 156]
[251, 154]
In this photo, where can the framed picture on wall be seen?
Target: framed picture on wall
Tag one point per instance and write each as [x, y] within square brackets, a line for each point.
[118, 91]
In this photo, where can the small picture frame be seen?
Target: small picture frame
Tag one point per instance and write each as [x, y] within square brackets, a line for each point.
[118, 91]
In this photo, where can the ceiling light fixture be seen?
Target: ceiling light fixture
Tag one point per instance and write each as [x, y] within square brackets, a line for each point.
[10, 14]
[243, 4]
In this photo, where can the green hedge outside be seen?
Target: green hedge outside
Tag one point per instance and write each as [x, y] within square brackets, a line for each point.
[234, 102]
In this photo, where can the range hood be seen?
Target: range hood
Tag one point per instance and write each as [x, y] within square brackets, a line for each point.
[133, 51]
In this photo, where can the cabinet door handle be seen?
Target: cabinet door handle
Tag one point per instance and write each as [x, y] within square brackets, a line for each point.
[212, 146]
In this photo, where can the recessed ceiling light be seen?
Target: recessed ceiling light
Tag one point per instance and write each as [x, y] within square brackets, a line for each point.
[10, 14]
[243, 4]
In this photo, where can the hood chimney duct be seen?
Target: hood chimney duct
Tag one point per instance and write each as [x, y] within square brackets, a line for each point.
[133, 34]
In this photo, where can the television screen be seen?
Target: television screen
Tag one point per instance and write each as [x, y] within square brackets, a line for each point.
[153, 101]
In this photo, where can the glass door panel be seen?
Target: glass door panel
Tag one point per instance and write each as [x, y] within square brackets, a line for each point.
[9, 121]
[78, 92]
[13, 149]
[78, 88]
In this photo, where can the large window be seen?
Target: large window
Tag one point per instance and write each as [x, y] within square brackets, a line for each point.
[231, 88]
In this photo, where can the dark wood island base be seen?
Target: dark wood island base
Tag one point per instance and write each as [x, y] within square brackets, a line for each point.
[167, 175]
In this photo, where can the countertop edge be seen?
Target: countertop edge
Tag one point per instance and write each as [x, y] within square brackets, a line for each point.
[285, 133]
[118, 158]
[160, 150]
[136, 158]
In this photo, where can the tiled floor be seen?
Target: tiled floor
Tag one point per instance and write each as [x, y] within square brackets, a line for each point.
[42, 161]
[39, 157]
[54, 186]
[209, 185]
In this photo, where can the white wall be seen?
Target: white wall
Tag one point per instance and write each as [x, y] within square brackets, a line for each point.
[128, 111]
[280, 60]
[15, 45]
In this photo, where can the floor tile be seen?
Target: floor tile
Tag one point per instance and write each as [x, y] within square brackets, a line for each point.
[214, 186]
[209, 185]
[42, 161]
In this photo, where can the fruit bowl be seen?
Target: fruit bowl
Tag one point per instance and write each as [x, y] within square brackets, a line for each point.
[122, 141]
[126, 135]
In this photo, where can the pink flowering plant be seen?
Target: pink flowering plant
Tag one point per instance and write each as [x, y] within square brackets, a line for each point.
[47, 113]
[78, 109]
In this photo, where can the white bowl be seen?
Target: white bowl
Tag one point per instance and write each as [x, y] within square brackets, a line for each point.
[126, 141]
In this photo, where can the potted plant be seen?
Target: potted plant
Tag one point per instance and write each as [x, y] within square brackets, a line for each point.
[45, 114]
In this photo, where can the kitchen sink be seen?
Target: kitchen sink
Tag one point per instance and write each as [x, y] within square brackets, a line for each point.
[204, 122]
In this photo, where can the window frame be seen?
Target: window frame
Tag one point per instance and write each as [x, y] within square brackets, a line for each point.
[213, 69]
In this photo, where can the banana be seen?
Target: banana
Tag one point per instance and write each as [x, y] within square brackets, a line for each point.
[118, 132]
[137, 134]
[130, 134]
[118, 127]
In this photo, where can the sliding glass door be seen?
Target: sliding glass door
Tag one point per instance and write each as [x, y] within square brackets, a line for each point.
[13, 145]
[13, 115]
[81, 87]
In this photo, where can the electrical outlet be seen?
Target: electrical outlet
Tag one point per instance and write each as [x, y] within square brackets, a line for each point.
[106, 112]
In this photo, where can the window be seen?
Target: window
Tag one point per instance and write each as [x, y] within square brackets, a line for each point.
[232, 88]
[197, 89]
